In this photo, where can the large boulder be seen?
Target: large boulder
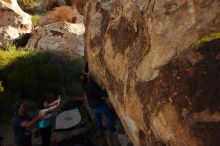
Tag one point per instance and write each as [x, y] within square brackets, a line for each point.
[14, 21]
[163, 89]
[64, 38]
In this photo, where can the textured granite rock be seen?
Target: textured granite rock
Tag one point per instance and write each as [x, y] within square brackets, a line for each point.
[164, 90]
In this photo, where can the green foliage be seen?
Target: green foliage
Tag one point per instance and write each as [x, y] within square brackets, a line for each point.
[1, 87]
[36, 20]
[27, 5]
[212, 36]
[33, 75]
[11, 53]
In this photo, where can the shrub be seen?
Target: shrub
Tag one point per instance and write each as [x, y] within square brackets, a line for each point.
[11, 53]
[36, 20]
[27, 5]
[212, 36]
[34, 75]
[1, 87]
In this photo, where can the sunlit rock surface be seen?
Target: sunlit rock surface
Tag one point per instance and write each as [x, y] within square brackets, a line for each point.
[65, 38]
[13, 20]
[164, 90]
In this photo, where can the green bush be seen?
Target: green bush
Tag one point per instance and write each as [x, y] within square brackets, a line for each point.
[27, 5]
[36, 19]
[33, 75]
[11, 53]
[212, 36]
[1, 87]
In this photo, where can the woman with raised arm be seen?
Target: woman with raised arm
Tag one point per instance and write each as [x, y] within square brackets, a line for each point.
[45, 125]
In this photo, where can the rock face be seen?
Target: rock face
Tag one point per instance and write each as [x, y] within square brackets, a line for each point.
[14, 21]
[164, 90]
[65, 38]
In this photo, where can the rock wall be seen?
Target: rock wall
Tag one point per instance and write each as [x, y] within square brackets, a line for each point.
[164, 90]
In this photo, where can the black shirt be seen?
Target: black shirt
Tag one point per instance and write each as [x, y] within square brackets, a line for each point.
[94, 94]
[22, 135]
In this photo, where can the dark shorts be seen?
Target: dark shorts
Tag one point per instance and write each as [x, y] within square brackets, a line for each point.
[27, 142]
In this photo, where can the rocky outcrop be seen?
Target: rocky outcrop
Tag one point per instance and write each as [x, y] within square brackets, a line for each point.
[65, 38]
[164, 90]
[64, 13]
[14, 21]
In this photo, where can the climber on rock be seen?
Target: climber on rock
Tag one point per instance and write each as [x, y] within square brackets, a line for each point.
[94, 96]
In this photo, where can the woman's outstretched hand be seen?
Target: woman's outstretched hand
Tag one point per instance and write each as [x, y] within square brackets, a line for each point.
[59, 100]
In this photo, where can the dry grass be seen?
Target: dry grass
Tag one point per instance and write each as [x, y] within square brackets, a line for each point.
[63, 13]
